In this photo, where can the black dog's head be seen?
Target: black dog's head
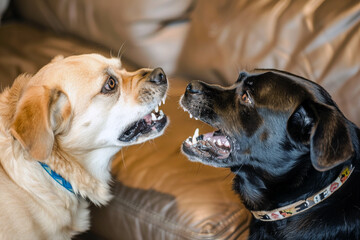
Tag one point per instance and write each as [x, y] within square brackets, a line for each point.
[268, 119]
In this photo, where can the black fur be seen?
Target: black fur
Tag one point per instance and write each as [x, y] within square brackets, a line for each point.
[286, 145]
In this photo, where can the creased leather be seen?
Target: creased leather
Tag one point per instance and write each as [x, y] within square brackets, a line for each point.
[149, 33]
[316, 39]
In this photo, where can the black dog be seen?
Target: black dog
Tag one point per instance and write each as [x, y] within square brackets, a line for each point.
[295, 155]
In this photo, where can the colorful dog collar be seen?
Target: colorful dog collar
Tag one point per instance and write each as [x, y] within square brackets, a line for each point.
[59, 179]
[303, 205]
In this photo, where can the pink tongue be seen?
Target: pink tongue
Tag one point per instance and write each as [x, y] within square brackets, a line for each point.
[148, 118]
[210, 136]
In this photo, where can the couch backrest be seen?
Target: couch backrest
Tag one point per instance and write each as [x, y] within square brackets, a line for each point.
[148, 32]
[317, 39]
[213, 40]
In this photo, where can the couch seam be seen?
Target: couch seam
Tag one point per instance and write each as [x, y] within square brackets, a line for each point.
[175, 229]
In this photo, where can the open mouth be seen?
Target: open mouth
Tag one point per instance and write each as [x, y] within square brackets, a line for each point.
[150, 124]
[210, 146]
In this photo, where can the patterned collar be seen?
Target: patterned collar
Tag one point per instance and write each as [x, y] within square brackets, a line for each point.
[59, 179]
[303, 205]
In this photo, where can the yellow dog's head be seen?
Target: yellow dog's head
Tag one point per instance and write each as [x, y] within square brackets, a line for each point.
[84, 103]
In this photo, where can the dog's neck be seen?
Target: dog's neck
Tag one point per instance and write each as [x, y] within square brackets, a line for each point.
[89, 180]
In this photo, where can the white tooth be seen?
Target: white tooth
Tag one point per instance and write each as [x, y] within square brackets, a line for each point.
[219, 142]
[196, 133]
[227, 144]
[161, 115]
[163, 100]
[159, 104]
[196, 119]
[153, 117]
[214, 141]
[157, 109]
[194, 141]
[191, 115]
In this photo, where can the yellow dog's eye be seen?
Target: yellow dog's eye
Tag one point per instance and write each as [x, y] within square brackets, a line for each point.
[109, 85]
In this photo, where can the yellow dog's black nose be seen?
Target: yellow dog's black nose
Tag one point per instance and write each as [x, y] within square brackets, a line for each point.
[158, 76]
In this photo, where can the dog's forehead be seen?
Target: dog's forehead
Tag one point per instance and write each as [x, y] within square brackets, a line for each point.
[81, 71]
[80, 77]
[91, 63]
[281, 89]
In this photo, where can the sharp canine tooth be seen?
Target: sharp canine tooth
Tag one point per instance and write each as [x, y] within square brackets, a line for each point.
[219, 142]
[194, 141]
[227, 144]
[163, 101]
[153, 117]
[159, 104]
[191, 115]
[161, 115]
[196, 133]
[157, 109]
[196, 119]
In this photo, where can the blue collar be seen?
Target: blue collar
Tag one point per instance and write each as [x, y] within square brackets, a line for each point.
[59, 179]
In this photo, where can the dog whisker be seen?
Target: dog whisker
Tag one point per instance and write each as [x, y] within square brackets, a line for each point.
[119, 54]
[122, 158]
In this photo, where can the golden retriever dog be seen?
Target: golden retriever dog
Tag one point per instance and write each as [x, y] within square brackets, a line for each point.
[59, 130]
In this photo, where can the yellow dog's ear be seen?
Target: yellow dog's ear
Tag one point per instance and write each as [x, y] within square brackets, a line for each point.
[39, 114]
[57, 58]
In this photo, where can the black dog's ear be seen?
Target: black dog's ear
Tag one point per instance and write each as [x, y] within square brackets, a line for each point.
[300, 124]
[325, 129]
[330, 140]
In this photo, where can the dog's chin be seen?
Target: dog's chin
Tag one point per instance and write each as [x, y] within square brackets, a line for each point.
[149, 127]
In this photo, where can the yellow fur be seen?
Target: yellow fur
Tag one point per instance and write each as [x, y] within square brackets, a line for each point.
[60, 117]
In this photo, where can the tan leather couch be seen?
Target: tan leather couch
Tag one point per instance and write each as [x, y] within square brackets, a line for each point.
[158, 193]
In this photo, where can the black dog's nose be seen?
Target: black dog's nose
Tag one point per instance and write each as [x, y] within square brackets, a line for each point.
[194, 88]
[158, 76]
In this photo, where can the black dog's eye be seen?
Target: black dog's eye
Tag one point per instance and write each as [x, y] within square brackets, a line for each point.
[109, 85]
[245, 98]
